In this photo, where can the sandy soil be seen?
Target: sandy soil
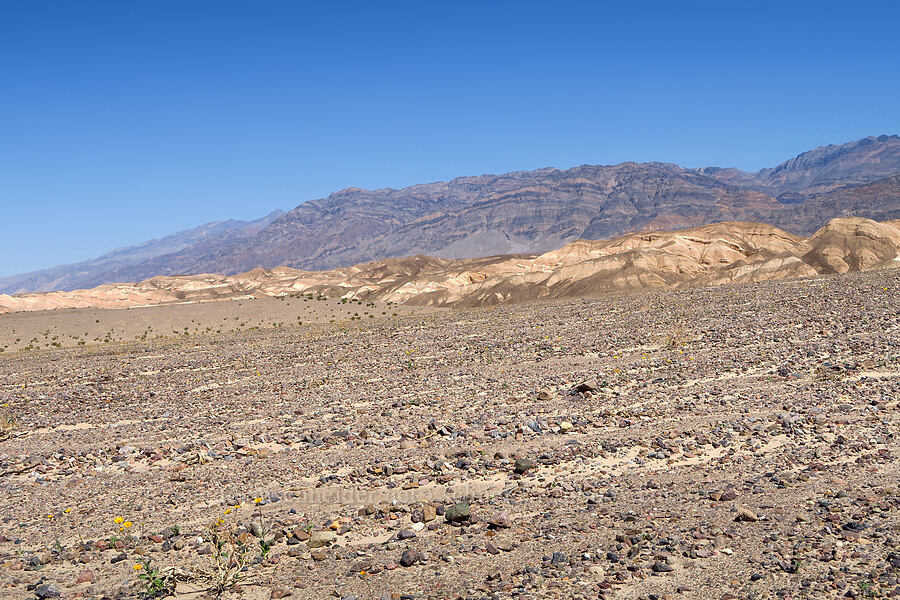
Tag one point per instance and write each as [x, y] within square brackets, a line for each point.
[90, 326]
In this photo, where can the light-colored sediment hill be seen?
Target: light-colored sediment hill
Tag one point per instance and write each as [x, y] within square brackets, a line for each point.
[714, 254]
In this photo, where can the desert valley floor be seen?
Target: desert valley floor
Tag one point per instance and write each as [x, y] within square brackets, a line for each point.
[726, 442]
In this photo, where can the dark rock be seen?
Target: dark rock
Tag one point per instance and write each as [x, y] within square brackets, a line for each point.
[47, 590]
[523, 465]
[458, 513]
[411, 557]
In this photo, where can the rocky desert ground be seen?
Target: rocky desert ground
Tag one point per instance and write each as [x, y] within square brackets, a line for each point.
[721, 442]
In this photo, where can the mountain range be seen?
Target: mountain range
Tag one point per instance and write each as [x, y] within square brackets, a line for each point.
[524, 212]
[715, 254]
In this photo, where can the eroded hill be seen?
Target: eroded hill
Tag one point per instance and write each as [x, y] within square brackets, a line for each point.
[720, 253]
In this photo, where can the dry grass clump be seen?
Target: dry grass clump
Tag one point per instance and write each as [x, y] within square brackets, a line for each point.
[7, 426]
[678, 336]
[162, 582]
[229, 556]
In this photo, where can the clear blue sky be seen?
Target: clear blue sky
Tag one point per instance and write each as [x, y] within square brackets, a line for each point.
[124, 121]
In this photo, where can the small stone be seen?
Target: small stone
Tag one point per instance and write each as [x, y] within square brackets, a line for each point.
[523, 465]
[86, 577]
[47, 591]
[662, 567]
[321, 538]
[746, 515]
[501, 520]
[544, 395]
[411, 556]
[256, 529]
[589, 385]
[458, 513]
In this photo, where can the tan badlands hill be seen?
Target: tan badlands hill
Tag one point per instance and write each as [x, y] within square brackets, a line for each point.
[727, 252]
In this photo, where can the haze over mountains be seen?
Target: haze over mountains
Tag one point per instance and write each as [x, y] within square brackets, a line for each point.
[520, 212]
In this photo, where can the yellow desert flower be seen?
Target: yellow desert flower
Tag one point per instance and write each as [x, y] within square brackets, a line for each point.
[118, 520]
[138, 567]
[257, 500]
[127, 524]
[67, 511]
[227, 511]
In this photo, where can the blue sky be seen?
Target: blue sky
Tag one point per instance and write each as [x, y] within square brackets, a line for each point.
[124, 121]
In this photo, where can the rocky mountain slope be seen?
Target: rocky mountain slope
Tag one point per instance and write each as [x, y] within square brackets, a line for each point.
[821, 170]
[728, 252]
[118, 264]
[530, 212]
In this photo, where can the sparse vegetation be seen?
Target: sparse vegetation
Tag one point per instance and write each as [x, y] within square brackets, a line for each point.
[159, 582]
[7, 426]
[231, 553]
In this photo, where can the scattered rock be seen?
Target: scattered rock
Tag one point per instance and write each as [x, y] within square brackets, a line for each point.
[411, 557]
[317, 539]
[458, 513]
[523, 465]
[746, 515]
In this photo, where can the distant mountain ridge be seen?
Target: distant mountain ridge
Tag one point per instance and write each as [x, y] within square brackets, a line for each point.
[109, 266]
[523, 212]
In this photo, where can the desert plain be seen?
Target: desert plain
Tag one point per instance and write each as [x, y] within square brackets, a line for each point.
[721, 442]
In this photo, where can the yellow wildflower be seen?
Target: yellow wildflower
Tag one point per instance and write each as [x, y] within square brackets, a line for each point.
[257, 500]
[118, 520]
[127, 524]
[138, 567]
[67, 511]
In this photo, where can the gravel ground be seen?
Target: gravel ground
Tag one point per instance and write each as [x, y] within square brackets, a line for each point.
[728, 442]
[89, 326]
